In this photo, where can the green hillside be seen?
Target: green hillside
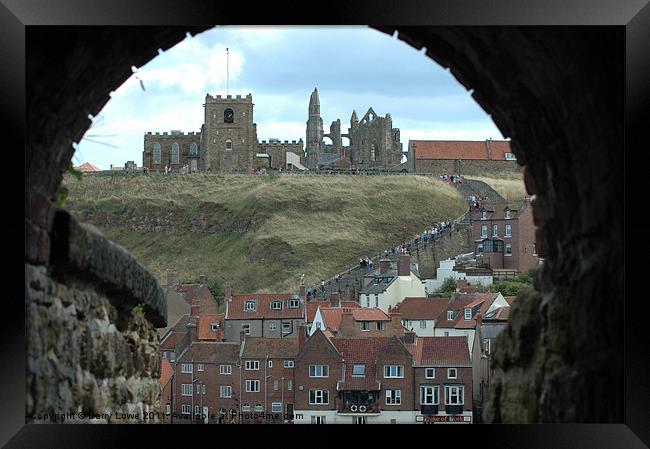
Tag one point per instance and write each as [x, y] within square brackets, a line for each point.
[258, 232]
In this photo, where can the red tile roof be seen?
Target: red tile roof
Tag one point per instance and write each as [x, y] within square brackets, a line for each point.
[510, 299]
[88, 167]
[441, 351]
[421, 308]
[332, 315]
[188, 291]
[205, 326]
[366, 351]
[166, 372]
[171, 340]
[458, 304]
[460, 149]
[263, 307]
[369, 314]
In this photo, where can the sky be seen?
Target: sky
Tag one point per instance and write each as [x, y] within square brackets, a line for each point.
[354, 68]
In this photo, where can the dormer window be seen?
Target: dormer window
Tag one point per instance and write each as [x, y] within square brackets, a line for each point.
[215, 327]
[483, 215]
[359, 370]
[468, 314]
[507, 214]
[250, 305]
[294, 303]
[276, 305]
[450, 315]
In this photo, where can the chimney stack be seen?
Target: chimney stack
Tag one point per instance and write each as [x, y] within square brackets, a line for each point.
[397, 328]
[334, 298]
[384, 265]
[302, 335]
[404, 265]
[479, 318]
[172, 278]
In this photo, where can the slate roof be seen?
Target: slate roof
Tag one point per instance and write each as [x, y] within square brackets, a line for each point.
[211, 351]
[441, 351]
[416, 309]
[260, 347]
[461, 149]
[263, 307]
[171, 340]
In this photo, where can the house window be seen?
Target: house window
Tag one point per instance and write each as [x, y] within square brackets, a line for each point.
[197, 409]
[450, 315]
[168, 409]
[199, 367]
[194, 149]
[376, 300]
[175, 153]
[365, 325]
[360, 420]
[393, 397]
[290, 385]
[318, 370]
[272, 326]
[276, 407]
[288, 363]
[294, 303]
[318, 419]
[452, 373]
[508, 249]
[225, 369]
[495, 230]
[319, 397]
[367, 300]
[446, 333]
[423, 324]
[186, 367]
[286, 328]
[270, 363]
[430, 373]
[186, 390]
[276, 305]
[483, 231]
[228, 145]
[468, 314]
[172, 356]
[508, 230]
[393, 371]
[215, 327]
[429, 394]
[486, 345]
[454, 394]
[252, 386]
[483, 215]
[186, 409]
[164, 354]
[493, 246]
[276, 385]
[380, 326]
[534, 250]
[245, 408]
[252, 365]
[225, 391]
[157, 153]
[246, 327]
[249, 306]
[506, 214]
[479, 248]
[359, 370]
[510, 156]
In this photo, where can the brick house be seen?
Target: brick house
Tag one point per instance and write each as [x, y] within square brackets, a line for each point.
[274, 315]
[443, 379]
[357, 322]
[166, 375]
[420, 314]
[205, 383]
[505, 236]
[267, 381]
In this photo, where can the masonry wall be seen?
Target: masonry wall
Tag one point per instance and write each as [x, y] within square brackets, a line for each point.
[278, 152]
[90, 317]
[466, 167]
[166, 140]
[450, 244]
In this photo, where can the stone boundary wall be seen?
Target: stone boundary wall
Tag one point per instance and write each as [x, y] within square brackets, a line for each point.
[466, 167]
[450, 244]
[90, 314]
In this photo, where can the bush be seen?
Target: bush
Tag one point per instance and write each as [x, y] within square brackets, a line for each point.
[448, 287]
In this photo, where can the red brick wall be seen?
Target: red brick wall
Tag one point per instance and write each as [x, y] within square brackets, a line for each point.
[404, 384]
[464, 377]
[317, 352]
[526, 239]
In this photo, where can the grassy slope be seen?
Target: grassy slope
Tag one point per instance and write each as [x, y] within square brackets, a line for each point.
[261, 233]
[510, 186]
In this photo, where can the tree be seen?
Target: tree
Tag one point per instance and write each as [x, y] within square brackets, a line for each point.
[448, 287]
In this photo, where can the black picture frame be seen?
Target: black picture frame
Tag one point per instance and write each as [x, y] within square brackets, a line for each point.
[16, 15]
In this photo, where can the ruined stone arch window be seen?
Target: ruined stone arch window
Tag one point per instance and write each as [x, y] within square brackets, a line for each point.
[157, 153]
[228, 145]
[175, 153]
[194, 148]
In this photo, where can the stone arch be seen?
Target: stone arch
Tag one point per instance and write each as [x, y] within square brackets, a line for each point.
[568, 139]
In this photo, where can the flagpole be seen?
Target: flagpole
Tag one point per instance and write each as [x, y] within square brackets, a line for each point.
[227, 69]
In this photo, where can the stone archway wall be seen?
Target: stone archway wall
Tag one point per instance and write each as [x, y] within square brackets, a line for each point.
[555, 91]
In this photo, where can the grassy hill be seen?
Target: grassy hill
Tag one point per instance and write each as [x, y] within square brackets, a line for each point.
[509, 185]
[258, 232]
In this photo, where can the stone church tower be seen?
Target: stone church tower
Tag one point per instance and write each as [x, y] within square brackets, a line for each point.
[313, 147]
[229, 136]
